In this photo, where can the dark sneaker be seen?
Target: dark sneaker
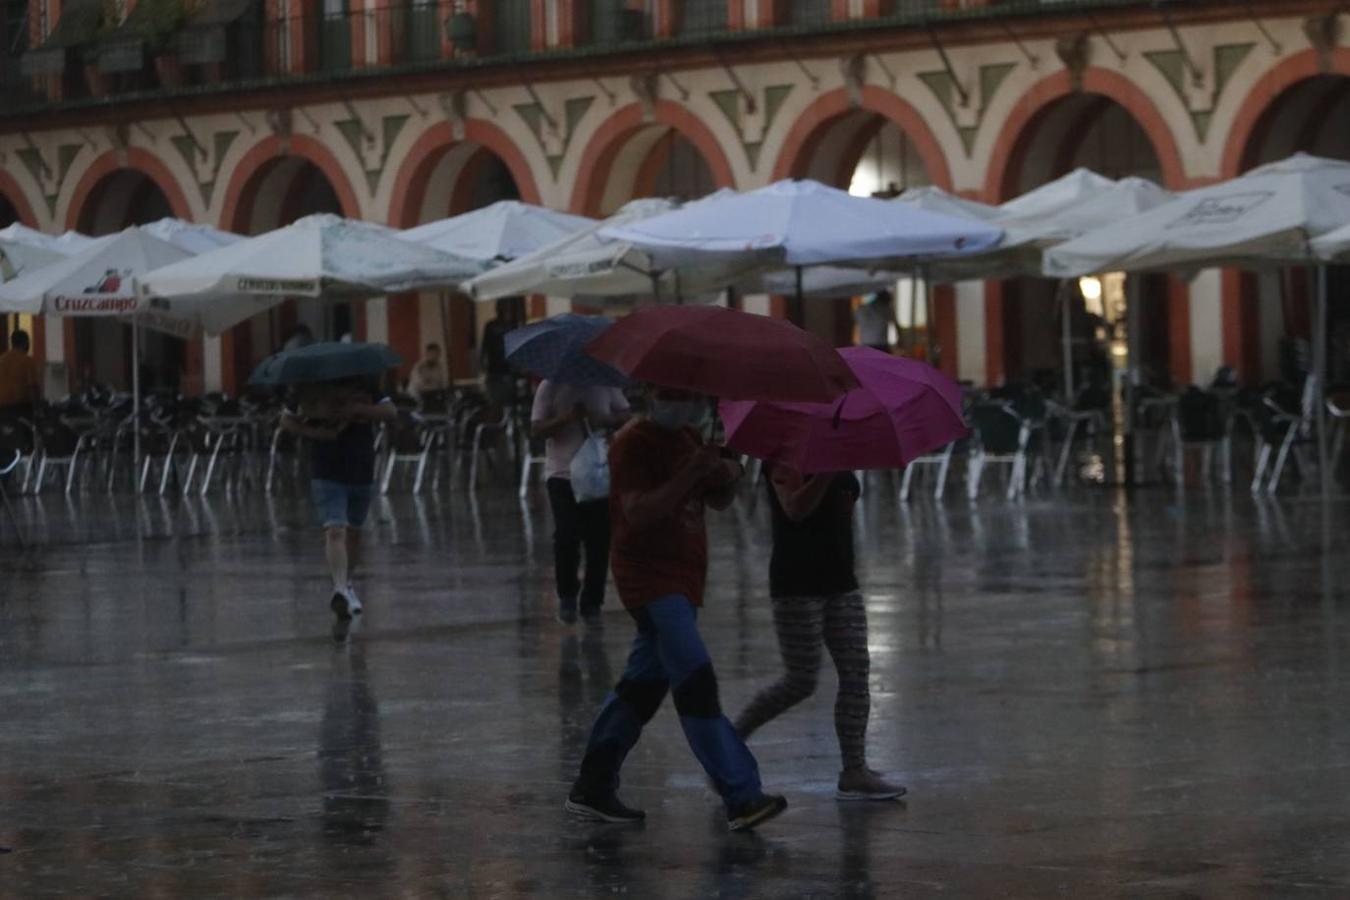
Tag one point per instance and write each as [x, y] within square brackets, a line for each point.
[601, 808]
[567, 611]
[340, 607]
[866, 784]
[756, 812]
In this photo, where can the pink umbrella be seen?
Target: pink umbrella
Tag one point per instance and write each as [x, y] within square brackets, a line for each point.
[903, 410]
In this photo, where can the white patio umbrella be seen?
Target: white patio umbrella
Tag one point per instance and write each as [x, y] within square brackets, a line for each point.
[1263, 218]
[191, 236]
[935, 199]
[798, 224]
[101, 280]
[503, 231]
[19, 259]
[319, 256]
[1334, 246]
[65, 243]
[801, 223]
[1269, 217]
[586, 265]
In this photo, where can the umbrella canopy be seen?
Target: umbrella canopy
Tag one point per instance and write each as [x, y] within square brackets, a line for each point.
[723, 353]
[19, 259]
[505, 230]
[1266, 217]
[1055, 196]
[328, 361]
[190, 236]
[901, 410]
[64, 244]
[102, 280]
[1060, 211]
[801, 223]
[935, 199]
[554, 349]
[318, 256]
[586, 265]
[98, 281]
[1333, 246]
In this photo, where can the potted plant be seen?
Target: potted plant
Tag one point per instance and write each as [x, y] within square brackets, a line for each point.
[158, 22]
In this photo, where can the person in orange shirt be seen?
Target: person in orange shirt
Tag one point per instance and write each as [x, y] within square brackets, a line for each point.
[20, 380]
[662, 476]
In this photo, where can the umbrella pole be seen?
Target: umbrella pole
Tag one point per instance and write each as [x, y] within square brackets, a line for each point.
[443, 304]
[1320, 376]
[135, 400]
[656, 287]
[1134, 288]
[1066, 336]
[799, 309]
[929, 320]
[909, 335]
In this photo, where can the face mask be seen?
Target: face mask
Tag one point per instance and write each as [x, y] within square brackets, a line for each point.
[676, 414]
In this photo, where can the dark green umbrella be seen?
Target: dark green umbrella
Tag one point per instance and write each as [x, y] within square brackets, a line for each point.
[329, 361]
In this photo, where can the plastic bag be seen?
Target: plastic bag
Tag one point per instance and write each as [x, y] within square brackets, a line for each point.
[590, 469]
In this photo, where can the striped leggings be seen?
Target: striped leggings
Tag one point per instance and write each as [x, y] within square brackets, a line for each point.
[806, 624]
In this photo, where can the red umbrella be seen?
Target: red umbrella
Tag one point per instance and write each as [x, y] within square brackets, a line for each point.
[903, 409]
[723, 353]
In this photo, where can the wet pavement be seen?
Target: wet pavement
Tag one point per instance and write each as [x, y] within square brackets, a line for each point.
[1087, 696]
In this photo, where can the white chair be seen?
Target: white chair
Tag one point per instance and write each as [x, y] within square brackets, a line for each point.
[942, 461]
[1002, 437]
[59, 447]
[529, 463]
[409, 445]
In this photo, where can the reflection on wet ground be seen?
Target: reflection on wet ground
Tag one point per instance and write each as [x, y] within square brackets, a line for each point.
[1087, 696]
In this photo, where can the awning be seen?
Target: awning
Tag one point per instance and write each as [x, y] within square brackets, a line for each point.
[78, 24]
[202, 39]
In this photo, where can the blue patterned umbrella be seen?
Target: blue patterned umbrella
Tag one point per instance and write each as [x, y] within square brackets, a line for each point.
[552, 349]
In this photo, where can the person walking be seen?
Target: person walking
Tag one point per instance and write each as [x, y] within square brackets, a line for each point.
[562, 416]
[662, 476]
[817, 606]
[20, 379]
[339, 419]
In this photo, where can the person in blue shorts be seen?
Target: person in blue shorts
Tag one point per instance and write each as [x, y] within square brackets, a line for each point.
[339, 421]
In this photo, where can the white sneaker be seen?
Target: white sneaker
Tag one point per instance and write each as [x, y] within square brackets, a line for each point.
[353, 601]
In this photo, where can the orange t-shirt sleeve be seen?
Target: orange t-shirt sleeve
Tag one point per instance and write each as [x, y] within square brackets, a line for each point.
[630, 468]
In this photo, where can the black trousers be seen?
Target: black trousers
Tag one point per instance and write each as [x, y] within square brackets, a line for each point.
[574, 525]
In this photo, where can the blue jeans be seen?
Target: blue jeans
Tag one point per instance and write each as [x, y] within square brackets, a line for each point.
[341, 505]
[668, 654]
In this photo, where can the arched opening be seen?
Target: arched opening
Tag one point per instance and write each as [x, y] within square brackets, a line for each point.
[9, 214]
[282, 190]
[870, 155]
[1276, 308]
[100, 348]
[458, 177]
[1092, 131]
[654, 161]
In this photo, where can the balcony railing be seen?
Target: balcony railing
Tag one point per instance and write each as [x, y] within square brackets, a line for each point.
[234, 42]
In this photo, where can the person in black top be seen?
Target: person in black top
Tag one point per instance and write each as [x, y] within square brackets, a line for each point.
[816, 606]
[339, 420]
[498, 378]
